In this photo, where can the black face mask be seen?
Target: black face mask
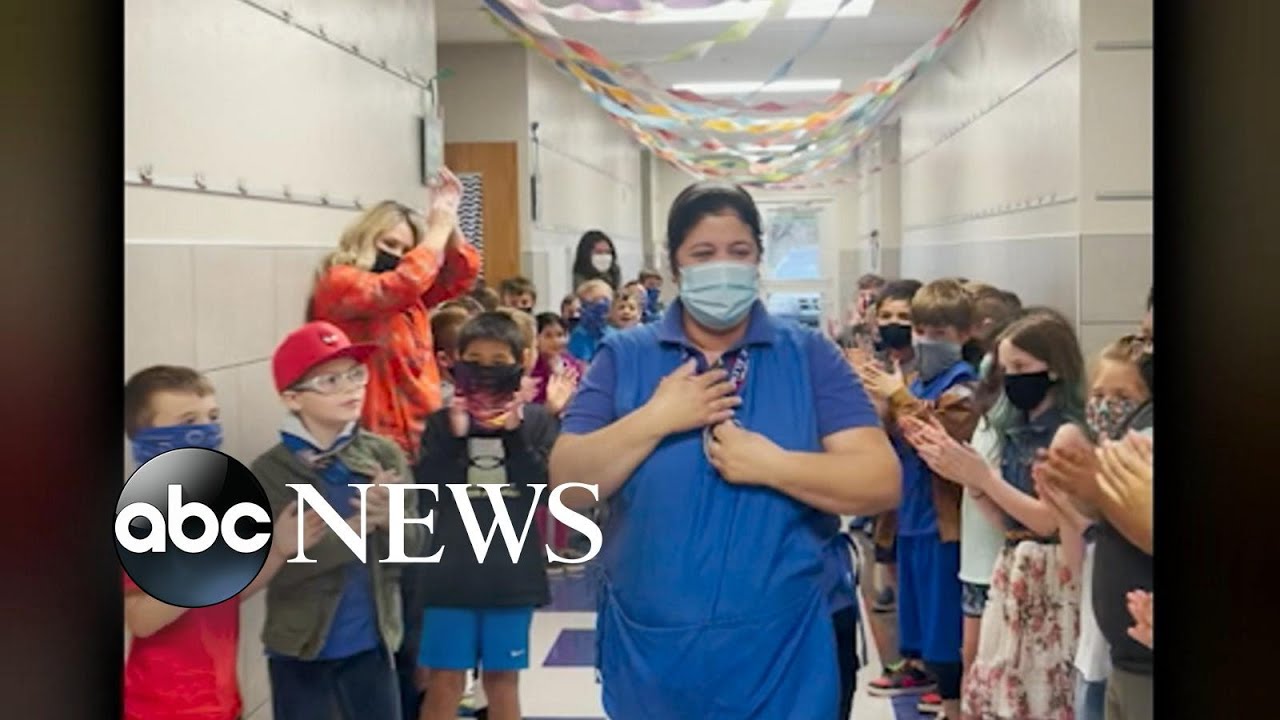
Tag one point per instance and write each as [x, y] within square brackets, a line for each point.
[1146, 366]
[896, 336]
[385, 262]
[1028, 390]
[972, 353]
[470, 378]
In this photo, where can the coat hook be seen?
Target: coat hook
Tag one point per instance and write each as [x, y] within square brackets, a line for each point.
[240, 185]
[286, 16]
[359, 205]
[382, 62]
[288, 194]
[355, 48]
[320, 30]
[324, 198]
[147, 174]
[199, 181]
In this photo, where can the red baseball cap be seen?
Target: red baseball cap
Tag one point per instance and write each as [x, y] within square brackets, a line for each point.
[308, 346]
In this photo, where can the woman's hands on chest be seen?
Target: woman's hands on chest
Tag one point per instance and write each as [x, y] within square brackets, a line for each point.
[686, 400]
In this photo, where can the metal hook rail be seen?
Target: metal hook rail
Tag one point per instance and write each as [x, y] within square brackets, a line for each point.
[197, 183]
[319, 32]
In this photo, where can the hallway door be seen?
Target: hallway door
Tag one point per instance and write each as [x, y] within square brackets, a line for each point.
[492, 193]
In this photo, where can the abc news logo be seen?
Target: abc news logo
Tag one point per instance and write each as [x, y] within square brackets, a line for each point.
[193, 526]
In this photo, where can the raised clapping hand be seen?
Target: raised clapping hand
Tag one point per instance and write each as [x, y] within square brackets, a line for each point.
[1142, 607]
[1070, 465]
[951, 460]
[560, 389]
[442, 213]
[687, 401]
[881, 383]
[1125, 473]
[377, 505]
[284, 540]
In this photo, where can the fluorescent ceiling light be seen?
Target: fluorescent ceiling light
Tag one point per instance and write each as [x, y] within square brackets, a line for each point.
[823, 85]
[735, 10]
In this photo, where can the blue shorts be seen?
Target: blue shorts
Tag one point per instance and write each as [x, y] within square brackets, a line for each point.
[929, 616]
[462, 638]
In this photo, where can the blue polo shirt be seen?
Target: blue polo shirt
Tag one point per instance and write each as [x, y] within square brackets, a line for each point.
[838, 400]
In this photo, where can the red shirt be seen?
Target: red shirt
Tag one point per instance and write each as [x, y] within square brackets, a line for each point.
[187, 669]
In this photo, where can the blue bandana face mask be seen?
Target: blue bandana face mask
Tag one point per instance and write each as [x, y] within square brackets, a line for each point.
[651, 296]
[719, 294]
[151, 442]
[594, 315]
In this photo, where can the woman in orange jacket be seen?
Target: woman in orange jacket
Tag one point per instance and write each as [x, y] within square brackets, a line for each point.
[378, 286]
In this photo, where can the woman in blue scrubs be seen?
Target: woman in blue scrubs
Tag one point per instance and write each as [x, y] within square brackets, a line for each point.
[723, 440]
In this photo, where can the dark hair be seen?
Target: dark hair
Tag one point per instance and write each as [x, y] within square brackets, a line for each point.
[709, 198]
[648, 273]
[582, 267]
[1046, 335]
[487, 298]
[547, 319]
[898, 290]
[144, 384]
[567, 300]
[518, 285]
[492, 325]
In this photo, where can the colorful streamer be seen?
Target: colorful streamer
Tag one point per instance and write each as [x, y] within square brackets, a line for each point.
[723, 138]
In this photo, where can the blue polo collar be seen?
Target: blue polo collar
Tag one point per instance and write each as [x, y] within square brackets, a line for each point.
[761, 329]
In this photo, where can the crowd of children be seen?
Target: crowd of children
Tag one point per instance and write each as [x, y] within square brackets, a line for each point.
[1019, 559]
[1016, 460]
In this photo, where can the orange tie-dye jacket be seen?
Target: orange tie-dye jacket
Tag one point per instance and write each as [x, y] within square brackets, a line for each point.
[392, 309]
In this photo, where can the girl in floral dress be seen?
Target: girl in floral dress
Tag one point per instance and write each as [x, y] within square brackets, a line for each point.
[1024, 667]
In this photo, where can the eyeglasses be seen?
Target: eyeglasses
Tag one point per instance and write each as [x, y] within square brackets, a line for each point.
[330, 383]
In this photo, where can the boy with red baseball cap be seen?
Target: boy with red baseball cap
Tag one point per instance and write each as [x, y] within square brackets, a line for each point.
[333, 624]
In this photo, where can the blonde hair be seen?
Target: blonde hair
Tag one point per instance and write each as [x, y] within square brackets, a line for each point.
[596, 283]
[358, 245]
[527, 324]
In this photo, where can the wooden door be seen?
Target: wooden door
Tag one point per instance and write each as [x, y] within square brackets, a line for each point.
[495, 163]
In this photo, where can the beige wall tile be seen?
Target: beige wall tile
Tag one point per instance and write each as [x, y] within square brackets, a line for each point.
[295, 271]
[1042, 271]
[260, 410]
[255, 685]
[1096, 336]
[235, 305]
[228, 392]
[1115, 276]
[159, 307]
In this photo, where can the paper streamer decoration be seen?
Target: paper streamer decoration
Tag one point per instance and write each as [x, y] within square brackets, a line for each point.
[725, 138]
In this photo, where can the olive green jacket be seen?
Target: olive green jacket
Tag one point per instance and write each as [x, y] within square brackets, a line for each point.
[302, 598]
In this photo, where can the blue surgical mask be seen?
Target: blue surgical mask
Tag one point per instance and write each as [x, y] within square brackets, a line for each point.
[154, 441]
[718, 294]
[594, 315]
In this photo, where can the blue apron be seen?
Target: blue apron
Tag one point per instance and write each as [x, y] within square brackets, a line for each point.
[713, 604]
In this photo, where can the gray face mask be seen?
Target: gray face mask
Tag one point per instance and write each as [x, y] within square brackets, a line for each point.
[933, 357]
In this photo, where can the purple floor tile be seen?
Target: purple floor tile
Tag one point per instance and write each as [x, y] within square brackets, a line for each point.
[574, 648]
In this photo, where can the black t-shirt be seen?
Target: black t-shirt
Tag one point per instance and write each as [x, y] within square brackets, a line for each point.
[1120, 567]
[514, 459]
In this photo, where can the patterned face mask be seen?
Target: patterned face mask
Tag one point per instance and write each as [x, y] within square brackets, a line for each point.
[1106, 415]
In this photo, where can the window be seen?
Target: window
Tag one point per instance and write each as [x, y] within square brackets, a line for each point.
[792, 247]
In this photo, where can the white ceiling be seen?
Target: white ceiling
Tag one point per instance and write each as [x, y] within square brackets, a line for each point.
[853, 49]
